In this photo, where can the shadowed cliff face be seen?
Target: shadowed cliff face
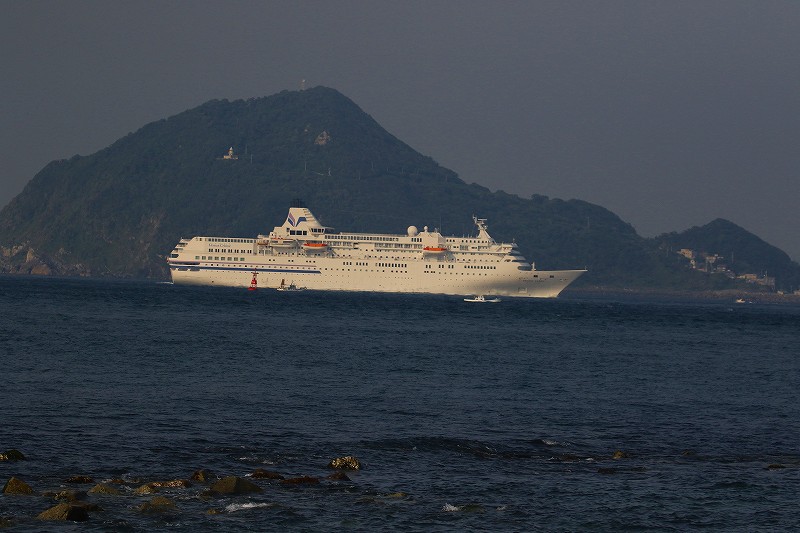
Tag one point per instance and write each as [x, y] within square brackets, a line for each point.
[120, 211]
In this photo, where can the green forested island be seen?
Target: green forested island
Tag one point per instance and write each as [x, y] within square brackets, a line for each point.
[119, 212]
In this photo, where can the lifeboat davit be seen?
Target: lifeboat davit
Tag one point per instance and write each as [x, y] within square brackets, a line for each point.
[280, 242]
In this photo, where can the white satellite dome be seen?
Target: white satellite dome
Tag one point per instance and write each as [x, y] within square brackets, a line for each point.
[412, 231]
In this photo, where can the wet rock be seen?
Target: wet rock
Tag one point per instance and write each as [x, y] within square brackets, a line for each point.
[473, 508]
[619, 454]
[17, 486]
[689, 453]
[234, 485]
[215, 511]
[65, 511]
[174, 484]
[102, 488]
[775, 466]
[70, 495]
[158, 504]
[338, 476]
[203, 476]
[6, 521]
[397, 495]
[347, 462]
[260, 473]
[145, 489]
[300, 480]
[12, 455]
[79, 479]
[90, 507]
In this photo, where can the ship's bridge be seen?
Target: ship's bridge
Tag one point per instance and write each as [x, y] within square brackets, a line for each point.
[301, 221]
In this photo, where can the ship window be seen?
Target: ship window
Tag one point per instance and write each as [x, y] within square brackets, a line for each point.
[197, 257]
[173, 255]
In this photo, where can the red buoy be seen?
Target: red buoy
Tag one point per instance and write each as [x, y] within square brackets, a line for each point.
[253, 283]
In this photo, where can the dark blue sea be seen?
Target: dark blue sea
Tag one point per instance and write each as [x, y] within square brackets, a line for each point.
[496, 417]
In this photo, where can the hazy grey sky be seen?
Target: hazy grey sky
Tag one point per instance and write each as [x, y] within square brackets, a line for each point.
[668, 113]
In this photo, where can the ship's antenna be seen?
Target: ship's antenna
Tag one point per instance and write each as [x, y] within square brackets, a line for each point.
[303, 84]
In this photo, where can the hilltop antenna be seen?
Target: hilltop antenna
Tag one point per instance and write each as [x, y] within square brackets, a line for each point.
[303, 84]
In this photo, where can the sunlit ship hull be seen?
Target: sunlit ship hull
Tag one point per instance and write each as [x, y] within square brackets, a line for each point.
[323, 260]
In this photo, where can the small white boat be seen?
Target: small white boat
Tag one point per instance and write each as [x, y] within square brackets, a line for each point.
[290, 287]
[481, 298]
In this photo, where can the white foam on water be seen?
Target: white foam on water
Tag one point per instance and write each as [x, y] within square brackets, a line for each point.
[232, 508]
[450, 508]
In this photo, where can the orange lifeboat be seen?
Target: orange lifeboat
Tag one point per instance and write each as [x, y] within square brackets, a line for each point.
[315, 246]
[434, 250]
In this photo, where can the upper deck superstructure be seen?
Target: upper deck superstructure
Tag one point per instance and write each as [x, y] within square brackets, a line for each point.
[304, 252]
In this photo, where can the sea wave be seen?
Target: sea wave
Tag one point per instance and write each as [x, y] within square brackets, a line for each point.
[234, 507]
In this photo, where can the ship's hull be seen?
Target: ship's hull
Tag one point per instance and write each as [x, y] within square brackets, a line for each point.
[336, 275]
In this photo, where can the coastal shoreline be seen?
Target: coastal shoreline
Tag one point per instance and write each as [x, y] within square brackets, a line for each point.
[727, 295]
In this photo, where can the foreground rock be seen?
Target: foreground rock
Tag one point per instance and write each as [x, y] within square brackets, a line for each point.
[347, 462]
[102, 488]
[173, 484]
[145, 489]
[17, 486]
[79, 479]
[158, 504]
[260, 473]
[12, 455]
[203, 476]
[65, 511]
[70, 496]
[234, 485]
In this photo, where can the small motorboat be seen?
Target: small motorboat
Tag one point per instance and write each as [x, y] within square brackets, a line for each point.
[290, 287]
[481, 298]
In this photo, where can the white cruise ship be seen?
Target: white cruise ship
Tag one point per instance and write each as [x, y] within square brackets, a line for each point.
[306, 254]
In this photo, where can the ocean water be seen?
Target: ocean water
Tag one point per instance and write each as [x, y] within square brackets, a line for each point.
[465, 416]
